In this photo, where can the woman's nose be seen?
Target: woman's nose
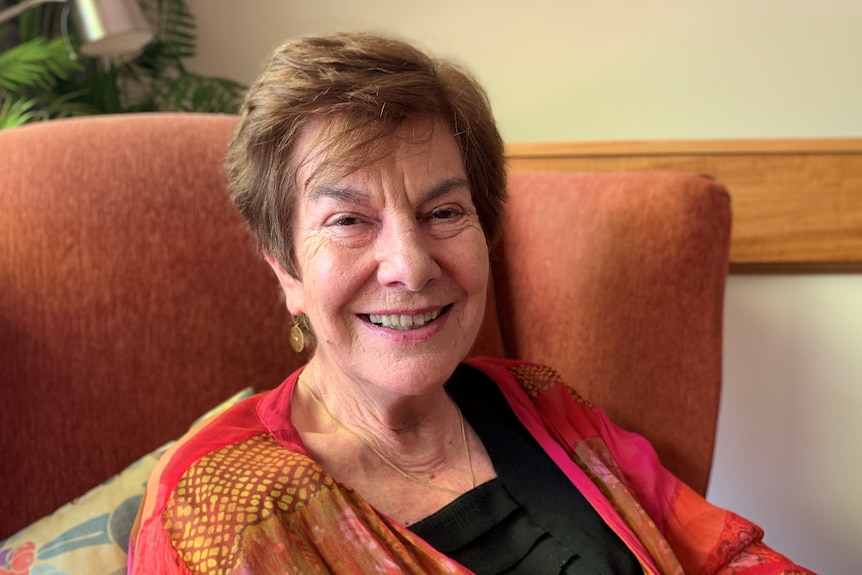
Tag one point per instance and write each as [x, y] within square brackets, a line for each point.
[404, 256]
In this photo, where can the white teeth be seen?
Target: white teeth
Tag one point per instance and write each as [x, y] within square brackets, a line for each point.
[396, 321]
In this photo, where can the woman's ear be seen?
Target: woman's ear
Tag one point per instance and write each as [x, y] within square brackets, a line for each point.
[292, 287]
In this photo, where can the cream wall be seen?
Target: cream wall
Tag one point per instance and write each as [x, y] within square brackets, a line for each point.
[787, 453]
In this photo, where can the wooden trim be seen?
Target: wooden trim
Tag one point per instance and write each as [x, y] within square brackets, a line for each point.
[524, 150]
[795, 268]
[797, 203]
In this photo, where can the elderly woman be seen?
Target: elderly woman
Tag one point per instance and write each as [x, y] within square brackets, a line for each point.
[372, 177]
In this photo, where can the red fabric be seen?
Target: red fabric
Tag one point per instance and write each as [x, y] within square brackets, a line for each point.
[244, 487]
[681, 531]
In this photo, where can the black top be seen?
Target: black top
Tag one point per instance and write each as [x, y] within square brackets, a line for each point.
[531, 519]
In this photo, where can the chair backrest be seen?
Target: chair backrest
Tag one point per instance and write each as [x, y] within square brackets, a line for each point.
[131, 299]
[617, 281]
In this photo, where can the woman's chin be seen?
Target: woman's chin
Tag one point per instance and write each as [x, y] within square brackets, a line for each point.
[434, 349]
[402, 372]
[414, 374]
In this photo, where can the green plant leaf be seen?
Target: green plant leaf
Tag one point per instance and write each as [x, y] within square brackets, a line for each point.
[14, 112]
[68, 105]
[37, 63]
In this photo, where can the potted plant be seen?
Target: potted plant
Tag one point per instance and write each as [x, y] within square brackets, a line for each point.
[41, 76]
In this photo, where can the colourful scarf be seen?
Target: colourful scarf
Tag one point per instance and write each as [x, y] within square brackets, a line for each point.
[241, 496]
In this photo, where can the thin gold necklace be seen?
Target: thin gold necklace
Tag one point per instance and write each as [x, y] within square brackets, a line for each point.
[388, 461]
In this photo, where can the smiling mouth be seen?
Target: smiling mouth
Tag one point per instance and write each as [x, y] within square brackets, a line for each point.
[406, 322]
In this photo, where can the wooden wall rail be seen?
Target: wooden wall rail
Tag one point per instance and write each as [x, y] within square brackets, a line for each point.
[797, 204]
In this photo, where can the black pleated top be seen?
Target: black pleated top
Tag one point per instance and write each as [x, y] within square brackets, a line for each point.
[530, 519]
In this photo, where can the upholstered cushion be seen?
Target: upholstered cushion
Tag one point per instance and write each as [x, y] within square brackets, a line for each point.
[90, 535]
[623, 295]
[131, 298]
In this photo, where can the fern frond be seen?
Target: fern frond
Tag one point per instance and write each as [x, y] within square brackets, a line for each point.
[37, 63]
[68, 105]
[174, 26]
[191, 92]
[16, 112]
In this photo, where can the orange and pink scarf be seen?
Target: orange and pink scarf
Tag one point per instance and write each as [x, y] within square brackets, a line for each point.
[240, 495]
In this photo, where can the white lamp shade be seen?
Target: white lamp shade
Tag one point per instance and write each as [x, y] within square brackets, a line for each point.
[110, 27]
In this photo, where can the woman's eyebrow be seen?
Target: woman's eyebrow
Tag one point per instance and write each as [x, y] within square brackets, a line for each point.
[444, 188]
[353, 196]
[339, 194]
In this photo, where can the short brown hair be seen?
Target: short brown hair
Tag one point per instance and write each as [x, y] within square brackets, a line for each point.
[364, 86]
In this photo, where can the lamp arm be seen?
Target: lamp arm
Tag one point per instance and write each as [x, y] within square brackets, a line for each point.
[10, 13]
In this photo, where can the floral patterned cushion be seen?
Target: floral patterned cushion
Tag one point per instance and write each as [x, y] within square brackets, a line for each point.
[90, 535]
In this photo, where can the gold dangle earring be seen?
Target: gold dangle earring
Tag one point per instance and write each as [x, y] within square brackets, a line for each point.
[297, 337]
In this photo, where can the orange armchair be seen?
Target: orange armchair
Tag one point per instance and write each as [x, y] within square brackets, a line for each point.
[132, 300]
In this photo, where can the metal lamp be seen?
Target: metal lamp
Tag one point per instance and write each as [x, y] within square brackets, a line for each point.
[106, 27]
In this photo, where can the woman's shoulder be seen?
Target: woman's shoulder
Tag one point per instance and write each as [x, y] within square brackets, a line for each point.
[255, 424]
[535, 379]
[226, 474]
[207, 434]
[213, 431]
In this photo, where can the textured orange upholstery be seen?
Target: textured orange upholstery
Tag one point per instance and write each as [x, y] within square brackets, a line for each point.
[131, 299]
[617, 281]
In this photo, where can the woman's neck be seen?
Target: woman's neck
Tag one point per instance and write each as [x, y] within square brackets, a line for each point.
[415, 429]
[430, 455]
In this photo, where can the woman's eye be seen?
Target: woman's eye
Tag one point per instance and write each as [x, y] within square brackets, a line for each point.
[445, 213]
[445, 221]
[343, 220]
[346, 221]
[351, 229]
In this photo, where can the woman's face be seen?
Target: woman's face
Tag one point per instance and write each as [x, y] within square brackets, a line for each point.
[392, 263]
